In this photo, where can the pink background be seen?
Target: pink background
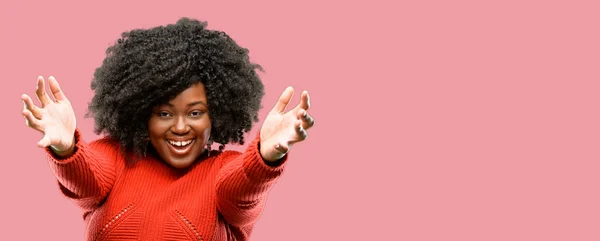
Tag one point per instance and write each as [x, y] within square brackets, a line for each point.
[436, 120]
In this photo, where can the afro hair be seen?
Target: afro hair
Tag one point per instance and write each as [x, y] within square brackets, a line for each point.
[149, 67]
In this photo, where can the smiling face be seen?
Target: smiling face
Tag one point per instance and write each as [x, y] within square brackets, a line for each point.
[179, 130]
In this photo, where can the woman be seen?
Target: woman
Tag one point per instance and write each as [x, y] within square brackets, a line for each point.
[162, 97]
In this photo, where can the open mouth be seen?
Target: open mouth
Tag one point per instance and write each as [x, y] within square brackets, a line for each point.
[180, 147]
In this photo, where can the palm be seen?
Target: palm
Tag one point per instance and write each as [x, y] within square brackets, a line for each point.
[59, 123]
[282, 129]
[55, 119]
[279, 126]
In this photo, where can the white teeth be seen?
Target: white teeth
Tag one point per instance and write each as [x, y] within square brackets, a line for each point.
[180, 143]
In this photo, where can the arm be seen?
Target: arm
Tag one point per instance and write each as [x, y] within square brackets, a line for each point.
[243, 183]
[88, 174]
[83, 172]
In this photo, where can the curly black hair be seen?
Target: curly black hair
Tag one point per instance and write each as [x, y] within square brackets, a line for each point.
[149, 67]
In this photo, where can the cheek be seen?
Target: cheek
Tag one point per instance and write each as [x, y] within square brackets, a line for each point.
[153, 128]
[156, 129]
[203, 128]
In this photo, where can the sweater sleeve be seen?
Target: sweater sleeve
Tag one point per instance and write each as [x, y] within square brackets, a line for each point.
[87, 176]
[243, 183]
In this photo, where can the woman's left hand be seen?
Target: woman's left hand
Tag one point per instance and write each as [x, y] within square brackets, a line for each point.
[281, 129]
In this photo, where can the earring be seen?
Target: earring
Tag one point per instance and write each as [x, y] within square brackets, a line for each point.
[145, 148]
[209, 146]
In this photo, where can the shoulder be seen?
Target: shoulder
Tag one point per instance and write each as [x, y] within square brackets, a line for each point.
[226, 155]
[106, 145]
[223, 157]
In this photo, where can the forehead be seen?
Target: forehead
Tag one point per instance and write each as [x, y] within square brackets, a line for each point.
[195, 92]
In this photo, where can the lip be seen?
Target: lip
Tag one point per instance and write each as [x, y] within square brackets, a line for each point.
[180, 151]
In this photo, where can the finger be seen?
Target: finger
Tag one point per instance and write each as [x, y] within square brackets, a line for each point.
[31, 121]
[300, 130]
[28, 102]
[57, 92]
[307, 120]
[284, 100]
[40, 92]
[305, 100]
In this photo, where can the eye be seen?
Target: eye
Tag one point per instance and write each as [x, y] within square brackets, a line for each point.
[196, 113]
[163, 114]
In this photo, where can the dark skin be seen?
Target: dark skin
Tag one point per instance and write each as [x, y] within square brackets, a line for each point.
[55, 119]
[180, 129]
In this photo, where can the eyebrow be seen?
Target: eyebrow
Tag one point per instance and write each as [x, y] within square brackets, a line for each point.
[192, 104]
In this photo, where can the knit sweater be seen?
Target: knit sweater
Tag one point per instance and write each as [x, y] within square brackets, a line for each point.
[219, 197]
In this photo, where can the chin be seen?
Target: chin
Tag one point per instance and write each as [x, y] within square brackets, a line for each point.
[179, 164]
[182, 157]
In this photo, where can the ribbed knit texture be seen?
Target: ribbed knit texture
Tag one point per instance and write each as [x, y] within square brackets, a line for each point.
[219, 197]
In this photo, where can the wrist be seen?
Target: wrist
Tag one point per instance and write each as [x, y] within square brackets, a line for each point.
[270, 156]
[273, 158]
[64, 152]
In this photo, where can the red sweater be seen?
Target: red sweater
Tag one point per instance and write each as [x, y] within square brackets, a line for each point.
[217, 198]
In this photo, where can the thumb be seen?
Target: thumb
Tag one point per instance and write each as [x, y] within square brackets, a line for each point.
[44, 142]
[283, 148]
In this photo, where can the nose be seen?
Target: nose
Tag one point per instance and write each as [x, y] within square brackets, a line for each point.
[180, 126]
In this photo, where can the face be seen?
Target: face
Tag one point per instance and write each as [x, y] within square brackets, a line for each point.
[179, 130]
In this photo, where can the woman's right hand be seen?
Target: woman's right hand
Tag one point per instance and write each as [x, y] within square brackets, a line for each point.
[55, 118]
